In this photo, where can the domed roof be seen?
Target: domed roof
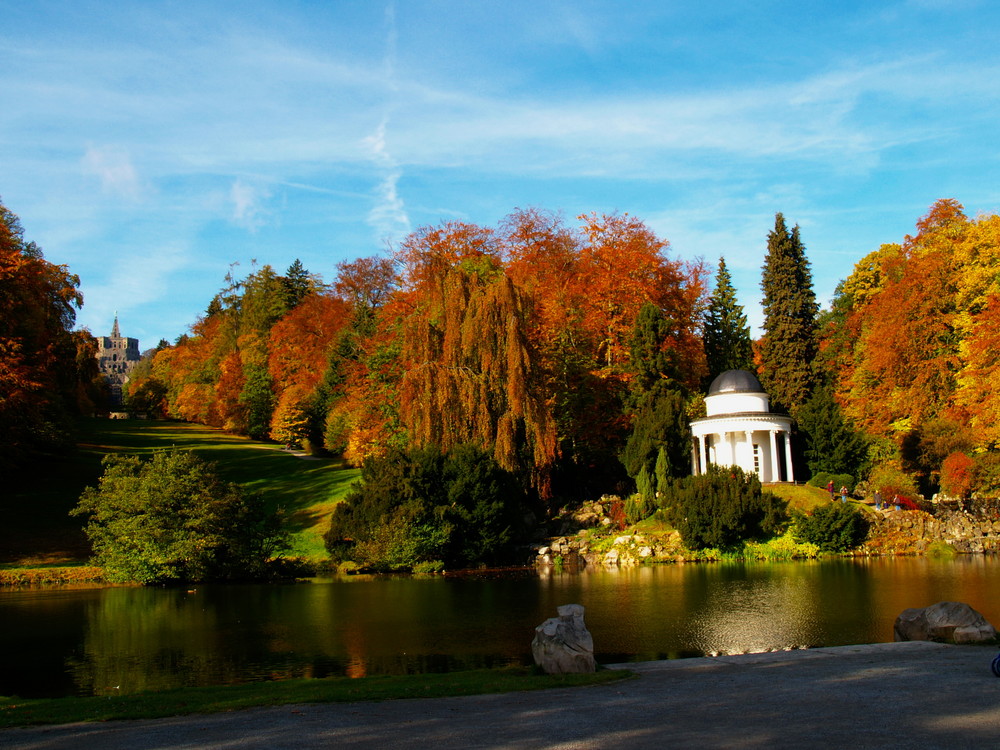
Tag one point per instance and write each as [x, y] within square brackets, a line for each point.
[735, 381]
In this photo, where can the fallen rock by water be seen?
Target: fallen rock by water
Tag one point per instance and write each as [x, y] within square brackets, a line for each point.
[944, 622]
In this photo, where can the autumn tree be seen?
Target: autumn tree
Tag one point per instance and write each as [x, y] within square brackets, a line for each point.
[299, 346]
[789, 345]
[728, 345]
[40, 373]
[624, 266]
[544, 261]
[358, 394]
[914, 335]
[471, 375]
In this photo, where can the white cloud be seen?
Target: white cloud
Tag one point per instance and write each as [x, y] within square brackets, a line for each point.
[388, 217]
[248, 209]
[131, 286]
[114, 168]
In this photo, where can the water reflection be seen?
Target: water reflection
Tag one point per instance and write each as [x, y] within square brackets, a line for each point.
[119, 640]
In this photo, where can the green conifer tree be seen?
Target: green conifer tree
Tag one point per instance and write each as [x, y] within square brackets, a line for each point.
[298, 283]
[659, 400]
[789, 344]
[663, 472]
[831, 443]
[727, 336]
[650, 361]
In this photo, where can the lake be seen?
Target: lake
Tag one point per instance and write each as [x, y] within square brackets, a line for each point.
[99, 641]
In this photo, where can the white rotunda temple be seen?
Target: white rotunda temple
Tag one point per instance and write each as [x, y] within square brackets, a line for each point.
[739, 430]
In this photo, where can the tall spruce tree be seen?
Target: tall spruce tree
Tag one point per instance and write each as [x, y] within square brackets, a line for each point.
[727, 336]
[831, 442]
[789, 345]
[660, 438]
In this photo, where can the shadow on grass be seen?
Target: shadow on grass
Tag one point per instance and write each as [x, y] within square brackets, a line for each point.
[36, 509]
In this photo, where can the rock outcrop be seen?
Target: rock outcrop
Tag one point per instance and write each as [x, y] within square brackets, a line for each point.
[944, 622]
[563, 645]
[912, 532]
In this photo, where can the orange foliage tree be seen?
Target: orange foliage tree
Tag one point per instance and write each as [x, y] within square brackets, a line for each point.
[916, 333]
[39, 377]
[515, 338]
[299, 349]
[470, 374]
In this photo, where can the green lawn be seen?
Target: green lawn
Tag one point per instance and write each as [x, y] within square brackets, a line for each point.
[802, 497]
[21, 712]
[38, 529]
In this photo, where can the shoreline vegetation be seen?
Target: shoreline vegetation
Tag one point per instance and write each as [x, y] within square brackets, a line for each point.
[569, 359]
[308, 490]
[16, 712]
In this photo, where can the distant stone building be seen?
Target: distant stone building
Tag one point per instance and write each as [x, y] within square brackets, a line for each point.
[116, 356]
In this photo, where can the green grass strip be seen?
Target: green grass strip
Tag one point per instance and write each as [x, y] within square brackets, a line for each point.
[196, 700]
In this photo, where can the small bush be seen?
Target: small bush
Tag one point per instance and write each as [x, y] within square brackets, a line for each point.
[616, 512]
[638, 507]
[941, 549]
[833, 528]
[892, 481]
[723, 508]
[171, 519]
[958, 475]
[428, 566]
[779, 549]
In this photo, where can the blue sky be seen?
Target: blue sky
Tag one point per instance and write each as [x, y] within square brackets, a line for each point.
[150, 145]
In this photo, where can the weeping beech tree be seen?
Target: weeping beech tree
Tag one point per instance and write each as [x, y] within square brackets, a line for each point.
[471, 375]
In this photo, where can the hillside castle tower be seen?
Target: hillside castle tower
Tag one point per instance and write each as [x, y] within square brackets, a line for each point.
[116, 356]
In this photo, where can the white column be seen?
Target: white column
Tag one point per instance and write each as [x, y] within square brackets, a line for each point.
[775, 475]
[703, 453]
[749, 437]
[694, 458]
[788, 456]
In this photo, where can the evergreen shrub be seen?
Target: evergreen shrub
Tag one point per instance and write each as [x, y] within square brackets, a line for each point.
[638, 507]
[722, 509]
[419, 506]
[835, 527]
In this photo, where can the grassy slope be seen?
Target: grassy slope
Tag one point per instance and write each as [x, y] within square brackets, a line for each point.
[802, 497]
[38, 529]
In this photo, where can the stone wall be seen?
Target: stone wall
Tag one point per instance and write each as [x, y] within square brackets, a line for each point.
[586, 537]
[911, 532]
[621, 551]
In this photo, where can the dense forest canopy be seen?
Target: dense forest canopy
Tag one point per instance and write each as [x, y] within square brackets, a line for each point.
[912, 340]
[513, 338]
[573, 355]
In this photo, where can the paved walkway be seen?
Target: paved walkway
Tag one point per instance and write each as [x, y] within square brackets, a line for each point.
[895, 695]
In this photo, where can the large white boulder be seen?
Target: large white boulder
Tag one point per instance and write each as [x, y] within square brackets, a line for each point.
[945, 622]
[563, 645]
